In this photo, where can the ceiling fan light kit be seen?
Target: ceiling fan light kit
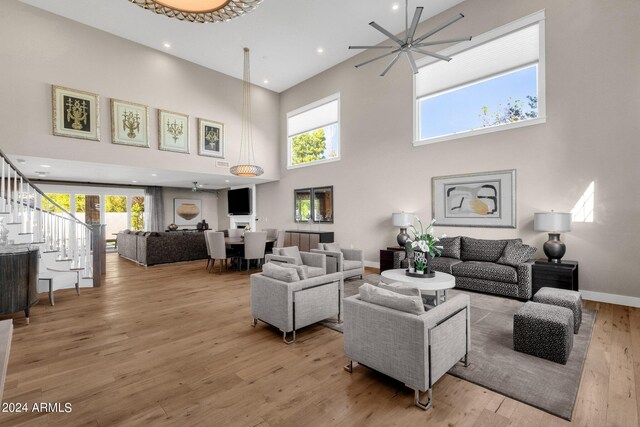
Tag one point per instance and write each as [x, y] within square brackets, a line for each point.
[202, 11]
[411, 44]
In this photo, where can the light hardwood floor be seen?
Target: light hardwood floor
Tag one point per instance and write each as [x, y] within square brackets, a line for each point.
[172, 345]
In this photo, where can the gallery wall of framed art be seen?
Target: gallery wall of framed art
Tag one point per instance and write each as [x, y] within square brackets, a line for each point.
[76, 113]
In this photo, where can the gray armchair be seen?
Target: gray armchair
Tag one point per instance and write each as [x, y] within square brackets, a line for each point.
[350, 262]
[290, 306]
[316, 263]
[414, 349]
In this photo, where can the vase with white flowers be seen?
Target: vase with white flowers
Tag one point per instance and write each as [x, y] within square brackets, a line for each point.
[424, 247]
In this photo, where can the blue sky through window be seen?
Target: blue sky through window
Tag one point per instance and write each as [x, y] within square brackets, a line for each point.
[460, 110]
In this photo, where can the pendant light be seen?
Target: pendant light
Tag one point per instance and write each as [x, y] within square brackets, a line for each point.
[246, 162]
[199, 10]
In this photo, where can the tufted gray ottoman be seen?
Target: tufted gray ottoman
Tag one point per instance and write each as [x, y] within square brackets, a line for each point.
[562, 298]
[544, 331]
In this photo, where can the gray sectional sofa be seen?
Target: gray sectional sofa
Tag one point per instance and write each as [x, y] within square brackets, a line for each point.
[160, 248]
[501, 267]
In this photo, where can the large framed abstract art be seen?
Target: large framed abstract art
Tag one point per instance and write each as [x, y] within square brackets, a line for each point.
[486, 199]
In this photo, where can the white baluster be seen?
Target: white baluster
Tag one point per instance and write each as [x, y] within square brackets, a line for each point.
[2, 185]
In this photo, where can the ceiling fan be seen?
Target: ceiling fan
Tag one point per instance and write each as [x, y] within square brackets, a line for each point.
[196, 187]
[411, 44]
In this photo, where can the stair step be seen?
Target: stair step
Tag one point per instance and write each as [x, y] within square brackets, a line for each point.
[49, 252]
[64, 259]
[14, 223]
[24, 234]
[76, 269]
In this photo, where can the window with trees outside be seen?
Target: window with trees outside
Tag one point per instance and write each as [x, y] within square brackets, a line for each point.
[313, 133]
[494, 82]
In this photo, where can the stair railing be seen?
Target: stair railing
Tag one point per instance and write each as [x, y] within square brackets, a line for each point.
[54, 228]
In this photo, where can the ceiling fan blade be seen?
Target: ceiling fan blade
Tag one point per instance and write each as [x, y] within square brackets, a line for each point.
[433, 43]
[433, 54]
[414, 24]
[439, 28]
[386, 33]
[378, 57]
[391, 64]
[372, 47]
[412, 62]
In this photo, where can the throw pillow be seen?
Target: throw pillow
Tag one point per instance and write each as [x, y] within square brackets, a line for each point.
[450, 247]
[292, 252]
[280, 273]
[390, 299]
[400, 288]
[516, 253]
[332, 247]
[302, 270]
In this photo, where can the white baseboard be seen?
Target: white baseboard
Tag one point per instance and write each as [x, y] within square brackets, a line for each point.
[371, 264]
[611, 298]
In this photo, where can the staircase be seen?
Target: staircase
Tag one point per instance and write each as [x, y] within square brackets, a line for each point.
[70, 250]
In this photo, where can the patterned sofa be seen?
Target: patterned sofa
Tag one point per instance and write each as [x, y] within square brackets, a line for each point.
[152, 248]
[501, 267]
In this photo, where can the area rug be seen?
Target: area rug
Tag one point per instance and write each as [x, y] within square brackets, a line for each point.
[494, 364]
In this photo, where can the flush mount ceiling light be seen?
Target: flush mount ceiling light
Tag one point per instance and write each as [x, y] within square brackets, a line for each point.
[199, 10]
[411, 44]
[246, 162]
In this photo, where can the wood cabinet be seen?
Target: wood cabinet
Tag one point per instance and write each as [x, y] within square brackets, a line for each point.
[307, 240]
[562, 275]
[18, 280]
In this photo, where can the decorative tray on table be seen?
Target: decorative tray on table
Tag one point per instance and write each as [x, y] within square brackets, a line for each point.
[420, 276]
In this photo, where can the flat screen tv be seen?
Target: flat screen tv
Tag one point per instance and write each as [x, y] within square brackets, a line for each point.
[239, 201]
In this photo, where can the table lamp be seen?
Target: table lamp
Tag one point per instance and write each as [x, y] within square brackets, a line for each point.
[402, 220]
[554, 223]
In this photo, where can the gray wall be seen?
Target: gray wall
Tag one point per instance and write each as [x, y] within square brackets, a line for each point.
[38, 49]
[591, 134]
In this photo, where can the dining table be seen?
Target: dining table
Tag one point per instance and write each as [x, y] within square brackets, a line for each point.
[237, 244]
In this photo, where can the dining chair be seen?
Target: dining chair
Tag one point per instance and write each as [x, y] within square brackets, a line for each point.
[272, 233]
[279, 239]
[254, 246]
[206, 240]
[217, 247]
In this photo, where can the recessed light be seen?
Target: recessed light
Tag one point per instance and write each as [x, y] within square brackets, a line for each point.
[320, 50]
[134, 181]
[266, 81]
[226, 180]
[395, 6]
[45, 166]
[154, 174]
[167, 45]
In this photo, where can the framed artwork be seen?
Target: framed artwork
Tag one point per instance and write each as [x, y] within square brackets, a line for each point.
[486, 199]
[187, 212]
[210, 138]
[129, 124]
[76, 114]
[173, 132]
[313, 205]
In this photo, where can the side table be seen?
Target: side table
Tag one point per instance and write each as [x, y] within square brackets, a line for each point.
[561, 275]
[386, 257]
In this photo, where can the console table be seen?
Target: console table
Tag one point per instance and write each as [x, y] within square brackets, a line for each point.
[307, 240]
[562, 275]
[18, 280]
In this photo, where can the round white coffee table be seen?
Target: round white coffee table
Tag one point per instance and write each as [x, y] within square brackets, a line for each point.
[439, 284]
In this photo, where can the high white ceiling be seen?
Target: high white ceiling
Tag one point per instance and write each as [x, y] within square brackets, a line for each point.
[284, 35]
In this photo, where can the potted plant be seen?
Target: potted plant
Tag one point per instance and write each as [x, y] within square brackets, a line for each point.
[424, 247]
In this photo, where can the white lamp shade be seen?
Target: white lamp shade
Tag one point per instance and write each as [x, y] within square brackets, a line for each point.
[402, 219]
[558, 222]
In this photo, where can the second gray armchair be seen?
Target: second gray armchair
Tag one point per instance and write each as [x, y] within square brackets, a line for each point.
[349, 262]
